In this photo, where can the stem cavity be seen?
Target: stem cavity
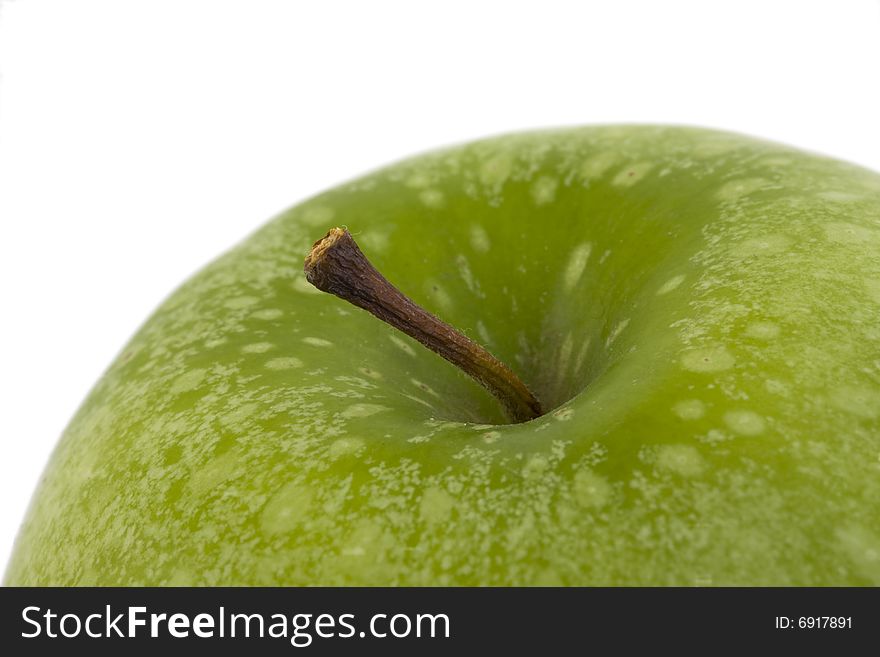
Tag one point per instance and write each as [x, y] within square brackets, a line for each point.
[336, 265]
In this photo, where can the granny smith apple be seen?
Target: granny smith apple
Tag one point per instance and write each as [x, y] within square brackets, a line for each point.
[697, 312]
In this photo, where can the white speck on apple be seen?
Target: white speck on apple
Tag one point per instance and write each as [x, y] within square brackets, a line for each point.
[283, 363]
[591, 489]
[257, 347]
[862, 547]
[188, 381]
[535, 466]
[268, 313]
[483, 332]
[712, 148]
[682, 460]
[356, 381]
[616, 331]
[763, 330]
[846, 233]
[464, 270]
[432, 198]
[419, 400]
[495, 171]
[363, 410]
[374, 240]
[213, 474]
[598, 165]
[544, 190]
[491, 436]
[370, 372]
[736, 189]
[582, 355]
[317, 342]
[707, 359]
[776, 162]
[240, 413]
[714, 437]
[577, 262]
[439, 296]
[761, 246]
[841, 197]
[564, 357]
[861, 402]
[354, 551]
[480, 239]
[564, 414]
[670, 285]
[345, 447]
[689, 409]
[630, 175]
[776, 387]
[418, 181]
[424, 387]
[436, 505]
[286, 509]
[443, 425]
[405, 347]
[240, 302]
[745, 423]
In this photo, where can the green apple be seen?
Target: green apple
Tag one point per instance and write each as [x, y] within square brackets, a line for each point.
[698, 313]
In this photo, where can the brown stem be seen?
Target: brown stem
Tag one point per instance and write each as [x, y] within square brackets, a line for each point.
[336, 265]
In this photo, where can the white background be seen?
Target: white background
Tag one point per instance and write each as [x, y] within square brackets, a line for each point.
[139, 139]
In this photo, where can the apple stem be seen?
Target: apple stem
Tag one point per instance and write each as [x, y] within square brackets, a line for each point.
[336, 265]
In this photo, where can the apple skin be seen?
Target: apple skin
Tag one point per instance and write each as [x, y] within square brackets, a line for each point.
[700, 310]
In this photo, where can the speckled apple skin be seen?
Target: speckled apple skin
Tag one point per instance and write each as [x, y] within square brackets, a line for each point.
[699, 310]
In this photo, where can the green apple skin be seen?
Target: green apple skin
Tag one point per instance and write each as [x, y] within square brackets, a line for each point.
[700, 311]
